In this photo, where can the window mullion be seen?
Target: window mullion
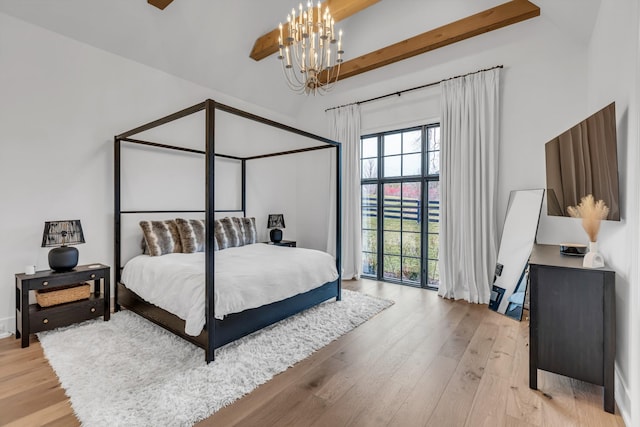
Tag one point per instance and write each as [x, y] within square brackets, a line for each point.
[380, 222]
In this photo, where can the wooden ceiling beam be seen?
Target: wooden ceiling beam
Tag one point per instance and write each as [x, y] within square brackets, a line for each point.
[267, 44]
[483, 22]
[160, 4]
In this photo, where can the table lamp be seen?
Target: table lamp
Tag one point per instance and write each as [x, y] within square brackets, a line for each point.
[60, 234]
[276, 222]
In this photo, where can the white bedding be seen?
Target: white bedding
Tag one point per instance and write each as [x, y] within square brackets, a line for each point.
[245, 277]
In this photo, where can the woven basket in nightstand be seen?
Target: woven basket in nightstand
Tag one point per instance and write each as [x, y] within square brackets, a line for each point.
[63, 294]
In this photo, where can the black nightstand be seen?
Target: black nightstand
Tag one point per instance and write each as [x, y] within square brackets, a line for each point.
[289, 243]
[31, 318]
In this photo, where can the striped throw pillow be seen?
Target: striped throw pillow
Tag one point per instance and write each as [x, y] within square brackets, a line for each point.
[161, 237]
[232, 233]
[247, 228]
[193, 235]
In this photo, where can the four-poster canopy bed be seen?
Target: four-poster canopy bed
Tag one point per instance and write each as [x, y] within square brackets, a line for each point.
[218, 332]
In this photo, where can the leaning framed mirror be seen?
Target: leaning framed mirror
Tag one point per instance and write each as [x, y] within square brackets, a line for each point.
[518, 236]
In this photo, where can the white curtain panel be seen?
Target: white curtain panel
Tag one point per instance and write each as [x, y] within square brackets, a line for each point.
[344, 125]
[468, 181]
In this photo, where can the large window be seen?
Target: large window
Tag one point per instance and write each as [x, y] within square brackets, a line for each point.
[400, 205]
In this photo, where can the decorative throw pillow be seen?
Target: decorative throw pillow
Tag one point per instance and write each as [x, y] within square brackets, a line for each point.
[237, 224]
[247, 227]
[220, 235]
[232, 233]
[161, 237]
[192, 235]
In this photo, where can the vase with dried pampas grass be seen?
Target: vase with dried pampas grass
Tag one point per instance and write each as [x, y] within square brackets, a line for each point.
[592, 213]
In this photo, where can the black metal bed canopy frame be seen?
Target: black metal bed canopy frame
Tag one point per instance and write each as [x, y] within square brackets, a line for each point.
[237, 324]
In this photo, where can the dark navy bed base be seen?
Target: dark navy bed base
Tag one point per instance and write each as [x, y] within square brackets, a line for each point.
[233, 326]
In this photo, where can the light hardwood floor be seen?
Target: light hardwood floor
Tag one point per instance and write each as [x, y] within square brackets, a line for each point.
[424, 361]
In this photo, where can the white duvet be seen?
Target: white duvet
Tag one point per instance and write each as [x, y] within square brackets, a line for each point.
[245, 277]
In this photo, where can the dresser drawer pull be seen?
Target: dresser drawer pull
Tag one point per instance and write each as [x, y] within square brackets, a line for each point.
[93, 309]
[45, 283]
[45, 321]
[93, 276]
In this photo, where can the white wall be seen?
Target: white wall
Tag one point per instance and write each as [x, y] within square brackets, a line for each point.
[613, 70]
[61, 103]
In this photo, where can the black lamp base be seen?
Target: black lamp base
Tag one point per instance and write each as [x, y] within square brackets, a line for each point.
[64, 258]
[276, 235]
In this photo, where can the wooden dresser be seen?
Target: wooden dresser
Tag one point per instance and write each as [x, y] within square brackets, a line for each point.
[573, 320]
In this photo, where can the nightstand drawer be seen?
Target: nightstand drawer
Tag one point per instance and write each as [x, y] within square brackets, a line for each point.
[63, 278]
[44, 319]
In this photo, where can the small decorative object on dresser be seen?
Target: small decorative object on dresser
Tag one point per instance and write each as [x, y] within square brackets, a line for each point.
[63, 298]
[59, 234]
[592, 213]
[573, 249]
[276, 222]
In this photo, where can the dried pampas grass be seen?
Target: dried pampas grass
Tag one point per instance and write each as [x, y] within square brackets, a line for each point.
[592, 213]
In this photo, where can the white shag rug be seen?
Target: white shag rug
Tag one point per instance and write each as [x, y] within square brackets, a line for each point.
[130, 372]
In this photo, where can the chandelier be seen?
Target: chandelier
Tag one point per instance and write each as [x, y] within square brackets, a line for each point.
[308, 63]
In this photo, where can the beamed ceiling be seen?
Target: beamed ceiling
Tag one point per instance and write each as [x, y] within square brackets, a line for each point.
[491, 19]
[210, 42]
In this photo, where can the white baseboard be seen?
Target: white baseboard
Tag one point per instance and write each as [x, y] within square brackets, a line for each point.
[623, 398]
[7, 325]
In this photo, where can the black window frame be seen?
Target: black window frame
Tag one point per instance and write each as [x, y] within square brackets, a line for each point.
[380, 180]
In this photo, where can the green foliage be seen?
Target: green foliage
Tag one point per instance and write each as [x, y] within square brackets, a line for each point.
[401, 237]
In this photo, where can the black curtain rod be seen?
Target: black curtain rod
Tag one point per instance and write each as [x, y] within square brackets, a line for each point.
[411, 89]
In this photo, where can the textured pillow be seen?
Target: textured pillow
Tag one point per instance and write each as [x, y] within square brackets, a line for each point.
[247, 227]
[231, 234]
[161, 237]
[220, 236]
[192, 235]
